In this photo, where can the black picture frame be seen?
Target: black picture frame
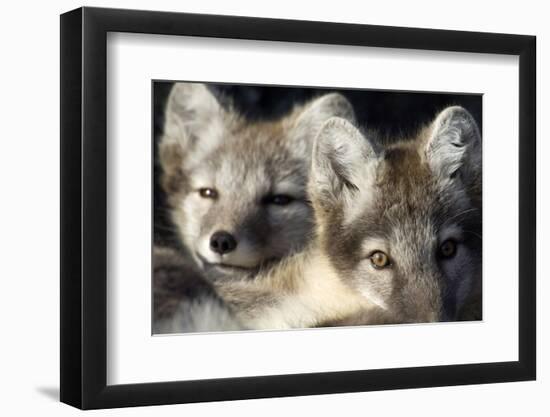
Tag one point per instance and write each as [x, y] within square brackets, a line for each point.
[84, 207]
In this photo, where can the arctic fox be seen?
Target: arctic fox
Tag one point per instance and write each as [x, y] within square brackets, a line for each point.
[237, 188]
[398, 233]
[237, 195]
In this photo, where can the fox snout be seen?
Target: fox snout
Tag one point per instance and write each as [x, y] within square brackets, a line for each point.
[222, 242]
[228, 248]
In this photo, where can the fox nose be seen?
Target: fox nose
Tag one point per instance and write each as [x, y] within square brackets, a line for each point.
[222, 242]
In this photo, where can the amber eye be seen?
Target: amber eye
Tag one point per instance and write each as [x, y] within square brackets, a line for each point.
[208, 193]
[278, 199]
[447, 249]
[379, 260]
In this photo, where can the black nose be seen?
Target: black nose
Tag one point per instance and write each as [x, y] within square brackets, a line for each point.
[222, 242]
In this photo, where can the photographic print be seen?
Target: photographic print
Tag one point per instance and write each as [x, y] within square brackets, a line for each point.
[290, 207]
[322, 191]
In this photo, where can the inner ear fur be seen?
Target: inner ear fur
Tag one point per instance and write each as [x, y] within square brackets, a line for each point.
[340, 157]
[454, 144]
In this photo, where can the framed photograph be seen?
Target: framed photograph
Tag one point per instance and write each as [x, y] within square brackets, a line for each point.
[257, 208]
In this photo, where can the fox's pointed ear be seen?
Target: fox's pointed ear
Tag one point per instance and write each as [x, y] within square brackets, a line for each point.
[454, 144]
[341, 158]
[193, 125]
[314, 115]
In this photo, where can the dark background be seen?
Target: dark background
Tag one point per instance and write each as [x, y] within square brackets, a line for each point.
[392, 113]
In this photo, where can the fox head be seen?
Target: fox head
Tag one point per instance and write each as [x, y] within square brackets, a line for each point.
[401, 223]
[237, 188]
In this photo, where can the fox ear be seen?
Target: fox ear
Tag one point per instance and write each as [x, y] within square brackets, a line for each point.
[341, 157]
[314, 115]
[454, 145]
[193, 125]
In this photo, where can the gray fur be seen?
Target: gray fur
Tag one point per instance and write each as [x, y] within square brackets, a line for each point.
[202, 314]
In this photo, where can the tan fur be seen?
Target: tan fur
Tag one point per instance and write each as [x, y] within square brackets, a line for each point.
[308, 292]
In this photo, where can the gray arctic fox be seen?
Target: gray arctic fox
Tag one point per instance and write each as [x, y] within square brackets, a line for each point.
[236, 188]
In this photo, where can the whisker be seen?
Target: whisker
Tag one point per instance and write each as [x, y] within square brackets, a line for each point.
[462, 213]
[473, 233]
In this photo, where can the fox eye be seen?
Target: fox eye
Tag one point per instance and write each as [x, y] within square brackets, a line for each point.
[379, 260]
[278, 199]
[208, 193]
[447, 249]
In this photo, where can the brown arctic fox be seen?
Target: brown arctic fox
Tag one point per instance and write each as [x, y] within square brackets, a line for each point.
[398, 236]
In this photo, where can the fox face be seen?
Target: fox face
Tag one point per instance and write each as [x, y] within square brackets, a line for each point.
[236, 188]
[401, 223]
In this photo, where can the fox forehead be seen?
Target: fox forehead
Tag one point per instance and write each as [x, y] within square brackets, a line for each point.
[250, 134]
[407, 205]
[237, 166]
[406, 188]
